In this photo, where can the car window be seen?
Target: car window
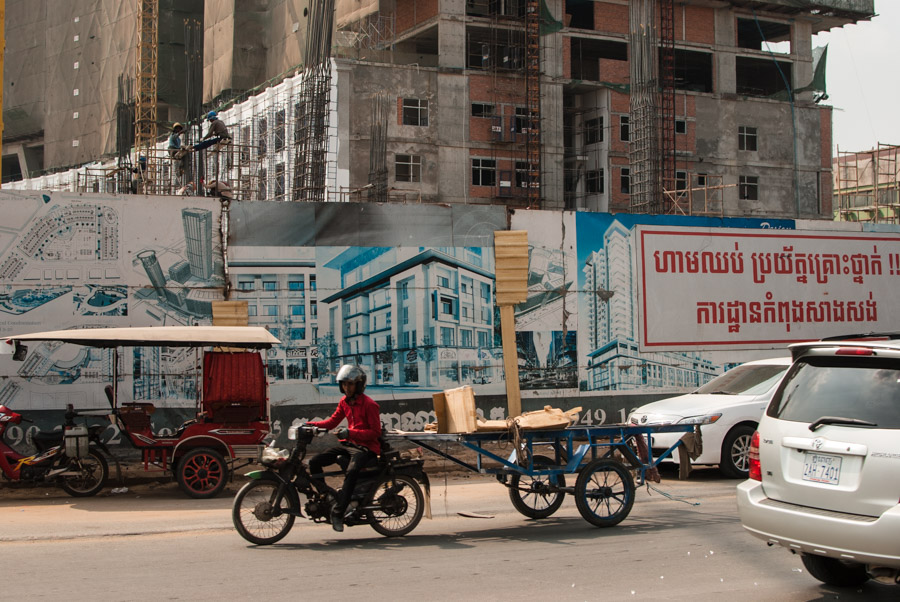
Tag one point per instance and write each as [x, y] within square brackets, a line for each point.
[860, 388]
[745, 380]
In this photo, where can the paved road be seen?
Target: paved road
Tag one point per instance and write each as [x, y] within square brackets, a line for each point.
[152, 543]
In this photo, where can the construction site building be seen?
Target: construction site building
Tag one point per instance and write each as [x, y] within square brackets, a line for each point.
[69, 65]
[867, 185]
[702, 107]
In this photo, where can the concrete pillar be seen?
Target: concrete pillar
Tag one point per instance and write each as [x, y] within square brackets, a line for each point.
[726, 80]
[453, 160]
[343, 73]
[452, 35]
[801, 49]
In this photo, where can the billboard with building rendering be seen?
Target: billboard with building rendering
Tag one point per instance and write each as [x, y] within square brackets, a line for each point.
[620, 307]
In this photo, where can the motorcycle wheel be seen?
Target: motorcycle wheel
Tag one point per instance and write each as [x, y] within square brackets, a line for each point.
[535, 497]
[256, 518]
[398, 509]
[94, 471]
[202, 473]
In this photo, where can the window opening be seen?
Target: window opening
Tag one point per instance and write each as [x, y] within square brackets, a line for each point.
[748, 188]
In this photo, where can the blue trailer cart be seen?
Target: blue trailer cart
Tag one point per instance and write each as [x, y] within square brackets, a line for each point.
[603, 457]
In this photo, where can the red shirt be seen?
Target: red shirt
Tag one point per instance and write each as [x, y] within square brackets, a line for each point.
[363, 420]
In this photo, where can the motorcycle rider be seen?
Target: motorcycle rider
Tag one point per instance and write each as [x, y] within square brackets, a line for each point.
[359, 441]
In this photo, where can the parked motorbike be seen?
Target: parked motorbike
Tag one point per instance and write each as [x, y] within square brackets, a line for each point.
[387, 496]
[69, 456]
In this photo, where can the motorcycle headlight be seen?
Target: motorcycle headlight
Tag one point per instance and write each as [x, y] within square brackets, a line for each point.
[273, 455]
[292, 433]
[705, 419]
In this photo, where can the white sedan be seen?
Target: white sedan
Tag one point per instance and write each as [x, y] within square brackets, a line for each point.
[728, 408]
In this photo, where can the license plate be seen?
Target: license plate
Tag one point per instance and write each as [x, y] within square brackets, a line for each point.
[822, 468]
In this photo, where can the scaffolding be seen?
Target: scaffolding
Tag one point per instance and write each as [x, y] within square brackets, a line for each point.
[867, 185]
[145, 131]
[697, 194]
[505, 51]
[666, 158]
[363, 39]
[533, 101]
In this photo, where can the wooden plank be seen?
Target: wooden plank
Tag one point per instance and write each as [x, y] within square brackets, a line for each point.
[510, 236]
[510, 359]
[511, 266]
[230, 313]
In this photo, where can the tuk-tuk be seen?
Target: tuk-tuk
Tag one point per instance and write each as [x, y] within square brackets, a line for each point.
[232, 413]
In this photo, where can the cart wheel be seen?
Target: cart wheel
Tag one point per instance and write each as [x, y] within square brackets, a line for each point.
[202, 473]
[537, 497]
[604, 492]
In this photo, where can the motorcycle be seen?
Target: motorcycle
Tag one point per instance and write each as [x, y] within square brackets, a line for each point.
[387, 496]
[68, 456]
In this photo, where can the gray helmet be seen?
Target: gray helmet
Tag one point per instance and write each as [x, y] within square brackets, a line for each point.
[354, 374]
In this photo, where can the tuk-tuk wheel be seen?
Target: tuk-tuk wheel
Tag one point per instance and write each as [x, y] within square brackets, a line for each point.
[202, 473]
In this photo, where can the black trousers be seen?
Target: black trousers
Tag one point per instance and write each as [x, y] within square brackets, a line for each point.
[352, 460]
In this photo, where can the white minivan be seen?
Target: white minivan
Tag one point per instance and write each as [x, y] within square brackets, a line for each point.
[825, 461]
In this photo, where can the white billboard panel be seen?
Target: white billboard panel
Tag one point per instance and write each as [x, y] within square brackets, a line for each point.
[736, 289]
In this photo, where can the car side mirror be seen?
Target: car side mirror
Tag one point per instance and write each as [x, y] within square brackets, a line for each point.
[20, 352]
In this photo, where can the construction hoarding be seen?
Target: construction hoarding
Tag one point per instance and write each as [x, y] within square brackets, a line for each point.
[619, 308]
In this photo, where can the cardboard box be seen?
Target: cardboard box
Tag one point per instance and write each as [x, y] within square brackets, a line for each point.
[455, 410]
[440, 411]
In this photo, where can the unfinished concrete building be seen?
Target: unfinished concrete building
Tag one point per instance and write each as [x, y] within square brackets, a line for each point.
[70, 66]
[701, 107]
[741, 132]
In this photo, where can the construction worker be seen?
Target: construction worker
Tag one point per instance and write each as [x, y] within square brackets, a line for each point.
[139, 176]
[217, 133]
[177, 151]
[219, 189]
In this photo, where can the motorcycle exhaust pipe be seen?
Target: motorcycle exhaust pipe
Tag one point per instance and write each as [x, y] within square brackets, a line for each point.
[63, 472]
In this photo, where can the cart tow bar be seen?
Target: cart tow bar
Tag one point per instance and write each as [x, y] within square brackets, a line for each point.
[674, 498]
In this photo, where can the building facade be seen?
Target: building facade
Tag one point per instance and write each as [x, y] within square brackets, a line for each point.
[429, 103]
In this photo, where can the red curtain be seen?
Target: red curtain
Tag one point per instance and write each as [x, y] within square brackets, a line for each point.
[233, 379]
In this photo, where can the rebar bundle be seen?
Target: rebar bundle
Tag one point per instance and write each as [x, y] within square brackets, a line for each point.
[193, 102]
[378, 172]
[312, 111]
[644, 108]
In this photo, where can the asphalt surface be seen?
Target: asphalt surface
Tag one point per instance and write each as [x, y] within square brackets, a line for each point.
[682, 541]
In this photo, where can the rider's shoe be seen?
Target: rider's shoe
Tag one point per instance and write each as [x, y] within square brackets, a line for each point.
[337, 521]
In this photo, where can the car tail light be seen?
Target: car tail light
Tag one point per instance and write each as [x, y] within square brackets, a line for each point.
[854, 351]
[755, 468]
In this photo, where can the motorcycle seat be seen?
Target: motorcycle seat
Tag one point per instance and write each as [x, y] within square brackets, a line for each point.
[390, 456]
[45, 440]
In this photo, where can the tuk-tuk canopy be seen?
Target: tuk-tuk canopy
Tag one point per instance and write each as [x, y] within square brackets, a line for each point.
[251, 337]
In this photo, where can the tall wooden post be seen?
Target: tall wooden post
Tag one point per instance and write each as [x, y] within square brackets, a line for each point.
[511, 269]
